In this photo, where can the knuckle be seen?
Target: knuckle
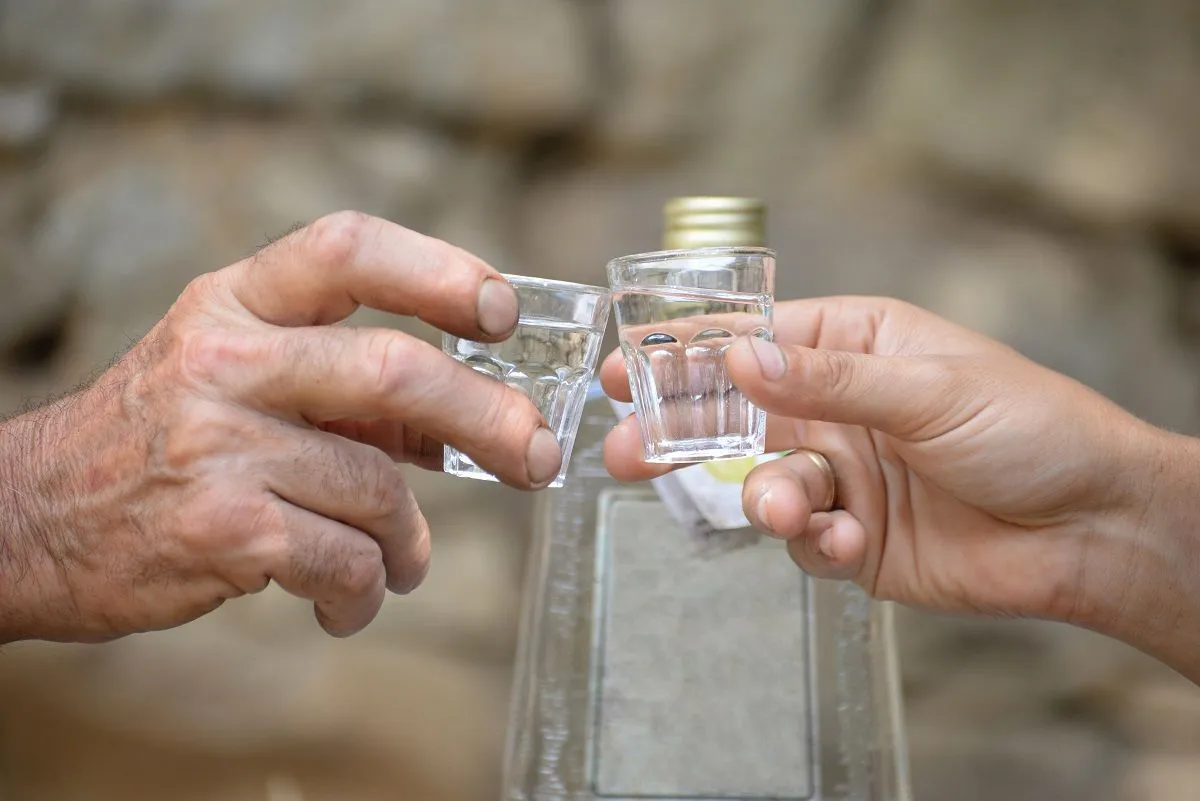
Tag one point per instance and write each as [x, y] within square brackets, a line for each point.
[333, 241]
[206, 296]
[204, 293]
[418, 571]
[391, 355]
[195, 293]
[506, 421]
[195, 524]
[384, 485]
[190, 436]
[415, 567]
[512, 412]
[458, 274]
[876, 311]
[205, 355]
[493, 413]
[256, 518]
[827, 377]
[839, 372]
[221, 523]
[359, 574]
[899, 307]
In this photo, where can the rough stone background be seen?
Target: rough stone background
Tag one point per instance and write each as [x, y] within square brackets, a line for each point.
[1029, 168]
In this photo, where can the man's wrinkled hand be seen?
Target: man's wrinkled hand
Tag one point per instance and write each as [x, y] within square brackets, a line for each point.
[247, 439]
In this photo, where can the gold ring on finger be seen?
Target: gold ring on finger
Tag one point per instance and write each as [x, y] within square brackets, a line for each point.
[826, 469]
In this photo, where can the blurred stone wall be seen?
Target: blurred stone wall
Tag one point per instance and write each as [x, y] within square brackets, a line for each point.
[1027, 168]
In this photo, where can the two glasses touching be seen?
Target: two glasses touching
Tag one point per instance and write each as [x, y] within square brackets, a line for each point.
[677, 313]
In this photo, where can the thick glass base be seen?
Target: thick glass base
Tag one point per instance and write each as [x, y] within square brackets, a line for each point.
[456, 463]
[703, 450]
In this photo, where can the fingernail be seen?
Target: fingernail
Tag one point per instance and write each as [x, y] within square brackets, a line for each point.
[825, 543]
[496, 309]
[770, 358]
[543, 457]
[760, 510]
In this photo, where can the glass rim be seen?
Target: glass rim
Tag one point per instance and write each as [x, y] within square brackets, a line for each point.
[690, 253]
[552, 283]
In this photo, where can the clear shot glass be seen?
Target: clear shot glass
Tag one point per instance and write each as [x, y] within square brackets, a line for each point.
[678, 312]
[550, 358]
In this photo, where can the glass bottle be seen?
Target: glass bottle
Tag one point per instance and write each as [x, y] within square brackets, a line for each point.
[662, 656]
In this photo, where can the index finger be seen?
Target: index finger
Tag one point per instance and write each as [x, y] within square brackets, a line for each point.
[322, 273]
[316, 375]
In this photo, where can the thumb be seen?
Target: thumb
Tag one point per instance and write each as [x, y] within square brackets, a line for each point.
[902, 396]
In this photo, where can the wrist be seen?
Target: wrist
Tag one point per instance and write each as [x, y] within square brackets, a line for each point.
[1141, 572]
[18, 526]
[30, 584]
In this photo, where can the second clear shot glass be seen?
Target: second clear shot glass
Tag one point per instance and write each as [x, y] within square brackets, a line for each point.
[677, 314]
[550, 358]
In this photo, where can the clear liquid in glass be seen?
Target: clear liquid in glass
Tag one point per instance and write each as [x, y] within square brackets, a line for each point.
[550, 362]
[674, 342]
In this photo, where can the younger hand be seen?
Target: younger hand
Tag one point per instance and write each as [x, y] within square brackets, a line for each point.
[968, 477]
